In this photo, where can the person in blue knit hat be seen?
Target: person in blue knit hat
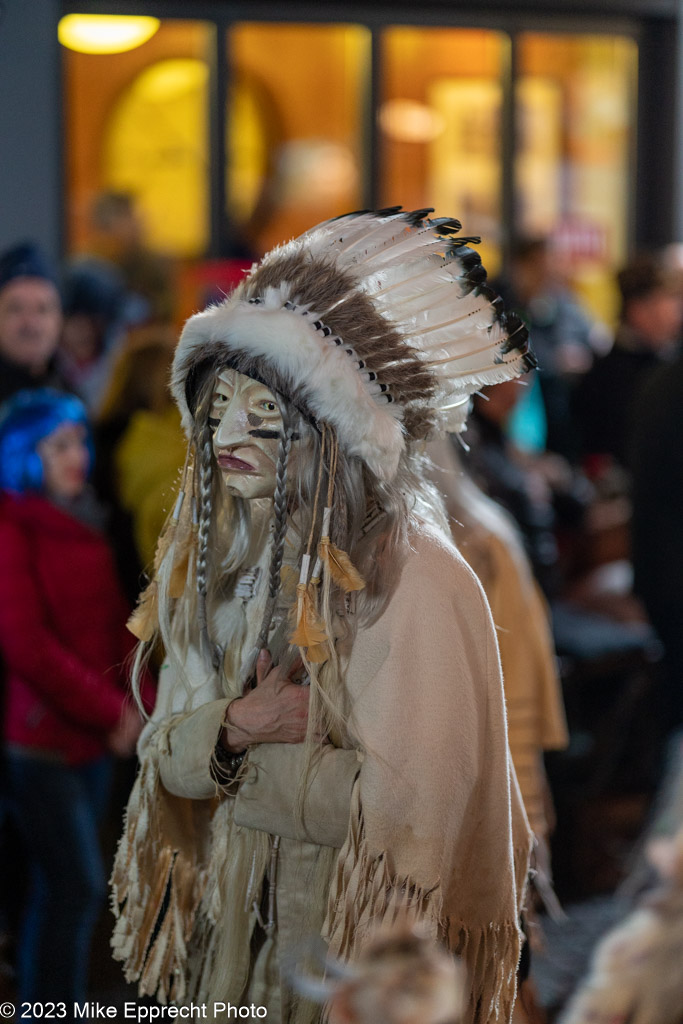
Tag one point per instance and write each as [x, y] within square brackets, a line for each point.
[30, 321]
[64, 650]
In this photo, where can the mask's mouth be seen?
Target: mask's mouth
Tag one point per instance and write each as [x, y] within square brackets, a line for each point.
[229, 461]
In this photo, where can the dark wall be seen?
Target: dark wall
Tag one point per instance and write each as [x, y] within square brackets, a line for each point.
[30, 118]
[353, 9]
[657, 185]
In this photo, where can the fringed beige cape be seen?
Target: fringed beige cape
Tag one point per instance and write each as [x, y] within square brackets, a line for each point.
[419, 818]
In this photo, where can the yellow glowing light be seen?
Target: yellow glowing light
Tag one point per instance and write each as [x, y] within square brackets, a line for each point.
[168, 79]
[104, 33]
[155, 146]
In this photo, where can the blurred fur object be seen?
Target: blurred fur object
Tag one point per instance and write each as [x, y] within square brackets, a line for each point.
[637, 971]
[403, 977]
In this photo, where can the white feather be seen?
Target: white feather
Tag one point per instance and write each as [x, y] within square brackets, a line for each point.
[404, 278]
[454, 319]
[395, 256]
[406, 245]
[440, 302]
[341, 237]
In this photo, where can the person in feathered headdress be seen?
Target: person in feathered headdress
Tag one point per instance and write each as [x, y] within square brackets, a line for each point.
[306, 537]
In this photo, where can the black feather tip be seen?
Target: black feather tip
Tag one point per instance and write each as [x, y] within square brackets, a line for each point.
[415, 217]
[517, 338]
[445, 225]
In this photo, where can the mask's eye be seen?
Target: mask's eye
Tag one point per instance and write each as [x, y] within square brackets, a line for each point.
[268, 406]
[219, 402]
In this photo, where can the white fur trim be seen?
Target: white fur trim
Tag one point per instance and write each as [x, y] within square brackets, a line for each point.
[322, 372]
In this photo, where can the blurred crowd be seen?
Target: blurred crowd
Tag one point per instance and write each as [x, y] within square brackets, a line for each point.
[565, 495]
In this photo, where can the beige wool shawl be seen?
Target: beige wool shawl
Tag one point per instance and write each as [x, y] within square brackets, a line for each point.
[436, 830]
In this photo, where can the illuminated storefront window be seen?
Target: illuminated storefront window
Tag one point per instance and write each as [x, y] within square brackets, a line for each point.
[575, 118]
[294, 127]
[303, 108]
[137, 121]
[440, 126]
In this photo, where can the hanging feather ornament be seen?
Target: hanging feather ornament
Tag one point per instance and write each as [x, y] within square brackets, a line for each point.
[340, 567]
[145, 619]
[310, 628]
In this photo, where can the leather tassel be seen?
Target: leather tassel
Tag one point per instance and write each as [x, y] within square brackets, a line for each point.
[145, 619]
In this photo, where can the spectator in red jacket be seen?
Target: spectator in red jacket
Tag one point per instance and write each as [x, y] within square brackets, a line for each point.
[63, 645]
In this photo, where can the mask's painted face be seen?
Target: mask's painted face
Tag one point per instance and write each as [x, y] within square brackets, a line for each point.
[246, 424]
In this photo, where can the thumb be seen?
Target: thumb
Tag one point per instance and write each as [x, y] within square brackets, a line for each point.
[264, 663]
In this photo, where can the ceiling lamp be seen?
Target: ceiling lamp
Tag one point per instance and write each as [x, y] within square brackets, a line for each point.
[104, 33]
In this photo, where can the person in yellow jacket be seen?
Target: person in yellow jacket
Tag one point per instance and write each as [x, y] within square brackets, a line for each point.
[139, 436]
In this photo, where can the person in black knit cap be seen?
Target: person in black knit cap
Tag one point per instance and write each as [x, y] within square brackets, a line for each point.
[30, 321]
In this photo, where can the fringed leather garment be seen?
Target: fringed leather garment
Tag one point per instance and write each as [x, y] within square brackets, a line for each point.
[414, 815]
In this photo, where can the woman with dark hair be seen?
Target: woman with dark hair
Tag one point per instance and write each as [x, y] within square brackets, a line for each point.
[63, 646]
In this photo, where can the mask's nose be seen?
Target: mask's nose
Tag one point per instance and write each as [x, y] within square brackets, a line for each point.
[233, 428]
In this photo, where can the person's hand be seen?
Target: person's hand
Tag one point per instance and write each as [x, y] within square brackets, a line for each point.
[275, 711]
[123, 737]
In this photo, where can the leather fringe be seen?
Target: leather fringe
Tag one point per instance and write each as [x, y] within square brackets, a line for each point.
[365, 894]
[155, 894]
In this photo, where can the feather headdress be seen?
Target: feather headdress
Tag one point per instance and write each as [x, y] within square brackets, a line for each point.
[377, 328]
[381, 324]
